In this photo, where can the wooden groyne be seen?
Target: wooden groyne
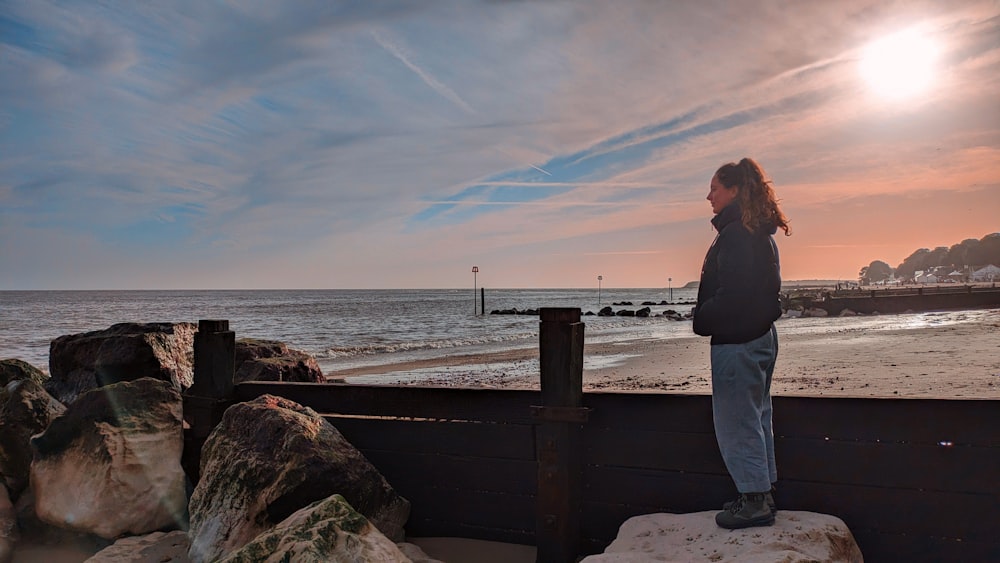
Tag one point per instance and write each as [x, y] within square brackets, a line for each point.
[560, 469]
[899, 300]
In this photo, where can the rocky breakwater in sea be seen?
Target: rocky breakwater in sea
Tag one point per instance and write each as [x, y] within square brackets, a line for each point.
[100, 472]
[644, 312]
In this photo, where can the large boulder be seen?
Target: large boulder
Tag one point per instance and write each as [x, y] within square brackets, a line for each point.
[267, 459]
[8, 527]
[270, 360]
[13, 369]
[123, 352]
[111, 464]
[794, 537]
[326, 531]
[25, 410]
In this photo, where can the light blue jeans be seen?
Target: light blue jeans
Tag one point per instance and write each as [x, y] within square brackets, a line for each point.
[741, 409]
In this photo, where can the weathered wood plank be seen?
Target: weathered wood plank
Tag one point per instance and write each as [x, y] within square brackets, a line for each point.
[668, 451]
[432, 528]
[407, 470]
[445, 403]
[924, 421]
[506, 441]
[891, 548]
[900, 511]
[896, 511]
[639, 491]
[481, 509]
[665, 412]
[928, 421]
[914, 466]
[906, 466]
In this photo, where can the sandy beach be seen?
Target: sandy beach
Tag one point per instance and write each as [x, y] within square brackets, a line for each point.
[920, 357]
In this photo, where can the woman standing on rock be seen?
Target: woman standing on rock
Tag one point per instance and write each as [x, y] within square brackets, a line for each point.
[738, 302]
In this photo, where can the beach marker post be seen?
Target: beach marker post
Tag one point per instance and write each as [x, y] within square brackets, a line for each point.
[475, 270]
[599, 278]
[670, 290]
[558, 435]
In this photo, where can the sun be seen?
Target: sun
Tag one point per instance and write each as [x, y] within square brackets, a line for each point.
[901, 65]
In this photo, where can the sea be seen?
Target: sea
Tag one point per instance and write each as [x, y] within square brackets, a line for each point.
[345, 329]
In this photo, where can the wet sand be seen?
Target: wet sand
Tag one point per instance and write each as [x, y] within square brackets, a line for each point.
[951, 361]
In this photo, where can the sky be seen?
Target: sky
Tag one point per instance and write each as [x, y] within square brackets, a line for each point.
[395, 144]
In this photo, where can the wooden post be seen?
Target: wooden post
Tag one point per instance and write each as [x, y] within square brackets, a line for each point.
[482, 300]
[558, 435]
[212, 390]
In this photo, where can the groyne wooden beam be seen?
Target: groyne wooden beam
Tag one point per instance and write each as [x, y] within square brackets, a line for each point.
[213, 387]
[558, 440]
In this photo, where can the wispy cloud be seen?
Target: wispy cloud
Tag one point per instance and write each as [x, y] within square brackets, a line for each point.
[396, 51]
[340, 138]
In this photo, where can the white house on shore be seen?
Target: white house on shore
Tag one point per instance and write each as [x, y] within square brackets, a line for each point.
[987, 273]
[924, 277]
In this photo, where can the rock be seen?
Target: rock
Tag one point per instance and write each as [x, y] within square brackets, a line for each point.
[270, 360]
[794, 537]
[326, 530]
[123, 352]
[814, 312]
[606, 312]
[25, 410]
[267, 459]
[644, 312]
[13, 369]
[111, 464]
[848, 313]
[625, 313]
[158, 547]
[8, 527]
[36, 533]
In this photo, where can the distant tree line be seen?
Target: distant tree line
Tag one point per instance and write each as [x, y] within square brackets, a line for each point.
[965, 257]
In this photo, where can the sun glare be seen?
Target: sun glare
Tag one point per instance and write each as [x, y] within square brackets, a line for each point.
[899, 66]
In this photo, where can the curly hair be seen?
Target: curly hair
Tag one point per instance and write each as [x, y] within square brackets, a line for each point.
[756, 195]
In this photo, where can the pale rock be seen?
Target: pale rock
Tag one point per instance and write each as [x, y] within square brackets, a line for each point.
[122, 352]
[326, 531]
[848, 313]
[795, 537]
[8, 527]
[158, 547]
[269, 458]
[793, 313]
[25, 410]
[815, 312]
[111, 464]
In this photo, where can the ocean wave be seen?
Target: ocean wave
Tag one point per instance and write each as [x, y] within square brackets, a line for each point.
[376, 348]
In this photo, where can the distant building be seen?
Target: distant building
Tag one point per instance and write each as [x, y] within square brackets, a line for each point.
[925, 277]
[987, 273]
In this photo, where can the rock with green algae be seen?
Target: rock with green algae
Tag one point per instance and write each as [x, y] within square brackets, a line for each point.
[326, 531]
[267, 459]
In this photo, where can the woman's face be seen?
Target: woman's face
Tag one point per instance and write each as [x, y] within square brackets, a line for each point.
[719, 195]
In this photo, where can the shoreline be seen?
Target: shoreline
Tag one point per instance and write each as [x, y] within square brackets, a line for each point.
[950, 360]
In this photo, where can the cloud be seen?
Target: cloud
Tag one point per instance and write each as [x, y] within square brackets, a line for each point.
[339, 136]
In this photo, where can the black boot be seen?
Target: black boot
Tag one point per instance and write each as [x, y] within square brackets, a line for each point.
[750, 510]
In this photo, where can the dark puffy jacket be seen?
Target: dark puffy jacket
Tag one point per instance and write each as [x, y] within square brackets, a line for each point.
[738, 297]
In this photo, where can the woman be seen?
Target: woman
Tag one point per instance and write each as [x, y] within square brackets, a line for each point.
[738, 302]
